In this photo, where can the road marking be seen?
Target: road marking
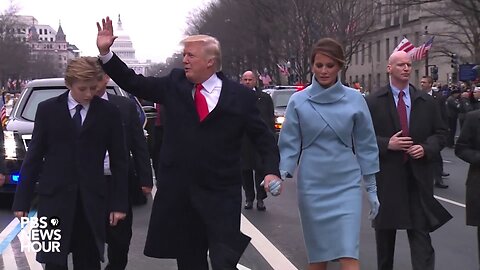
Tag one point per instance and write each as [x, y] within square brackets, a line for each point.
[446, 161]
[449, 201]
[240, 267]
[9, 261]
[271, 254]
[8, 229]
[29, 254]
[12, 232]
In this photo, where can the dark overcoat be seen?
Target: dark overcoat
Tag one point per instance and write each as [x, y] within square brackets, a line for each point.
[427, 129]
[468, 149]
[199, 186]
[139, 169]
[250, 157]
[68, 164]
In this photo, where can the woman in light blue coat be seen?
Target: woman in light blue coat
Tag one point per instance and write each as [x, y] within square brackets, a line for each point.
[328, 133]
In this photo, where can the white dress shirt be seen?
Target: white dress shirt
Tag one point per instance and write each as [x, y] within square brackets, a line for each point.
[211, 91]
[106, 161]
[72, 103]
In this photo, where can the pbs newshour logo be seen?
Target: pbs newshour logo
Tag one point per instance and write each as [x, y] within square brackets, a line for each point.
[41, 236]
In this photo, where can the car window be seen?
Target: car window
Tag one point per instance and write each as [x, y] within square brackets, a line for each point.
[39, 94]
[36, 96]
[280, 98]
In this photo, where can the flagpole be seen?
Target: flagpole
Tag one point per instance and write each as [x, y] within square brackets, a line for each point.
[426, 53]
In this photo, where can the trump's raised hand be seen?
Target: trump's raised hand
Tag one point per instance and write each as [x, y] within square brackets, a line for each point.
[105, 37]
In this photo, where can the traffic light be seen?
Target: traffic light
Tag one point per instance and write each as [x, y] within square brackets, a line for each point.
[454, 60]
[434, 72]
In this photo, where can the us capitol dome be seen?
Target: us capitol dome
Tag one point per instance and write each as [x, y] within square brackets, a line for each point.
[123, 48]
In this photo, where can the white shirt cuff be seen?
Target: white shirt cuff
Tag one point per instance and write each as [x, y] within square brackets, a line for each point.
[105, 58]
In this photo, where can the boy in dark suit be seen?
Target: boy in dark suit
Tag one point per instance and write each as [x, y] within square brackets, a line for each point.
[71, 136]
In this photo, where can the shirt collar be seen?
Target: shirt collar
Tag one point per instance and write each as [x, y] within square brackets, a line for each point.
[105, 96]
[72, 103]
[396, 91]
[212, 83]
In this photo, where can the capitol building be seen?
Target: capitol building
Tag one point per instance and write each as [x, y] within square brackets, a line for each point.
[123, 48]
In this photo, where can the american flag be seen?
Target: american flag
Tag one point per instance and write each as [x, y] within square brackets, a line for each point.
[404, 45]
[3, 115]
[421, 51]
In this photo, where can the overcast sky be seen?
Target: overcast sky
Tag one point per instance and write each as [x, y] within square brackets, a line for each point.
[155, 27]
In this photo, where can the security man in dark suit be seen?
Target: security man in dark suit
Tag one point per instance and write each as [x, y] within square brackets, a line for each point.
[251, 161]
[409, 132]
[71, 136]
[197, 207]
[139, 175]
[437, 161]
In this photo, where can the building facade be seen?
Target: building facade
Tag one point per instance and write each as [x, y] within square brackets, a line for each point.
[45, 43]
[368, 64]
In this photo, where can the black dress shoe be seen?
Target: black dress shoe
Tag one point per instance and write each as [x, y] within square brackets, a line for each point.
[261, 205]
[444, 174]
[248, 205]
[438, 185]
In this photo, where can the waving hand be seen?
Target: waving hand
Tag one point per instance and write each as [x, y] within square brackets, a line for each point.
[105, 37]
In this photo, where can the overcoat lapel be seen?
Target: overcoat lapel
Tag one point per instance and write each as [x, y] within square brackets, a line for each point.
[416, 98]
[390, 106]
[226, 95]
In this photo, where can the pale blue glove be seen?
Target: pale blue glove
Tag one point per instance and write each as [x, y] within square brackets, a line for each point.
[374, 205]
[371, 188]
[274, 186]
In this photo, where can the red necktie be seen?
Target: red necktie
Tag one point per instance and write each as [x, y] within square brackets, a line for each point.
[200, 102]
[402, 114]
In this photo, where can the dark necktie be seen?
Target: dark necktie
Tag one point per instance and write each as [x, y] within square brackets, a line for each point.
[402, 114]
[200, 102]
[77, 117]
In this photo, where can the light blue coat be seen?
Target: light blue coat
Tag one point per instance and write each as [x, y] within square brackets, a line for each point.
[321, 128]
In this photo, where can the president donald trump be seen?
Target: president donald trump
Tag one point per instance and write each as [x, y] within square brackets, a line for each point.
[198, 203]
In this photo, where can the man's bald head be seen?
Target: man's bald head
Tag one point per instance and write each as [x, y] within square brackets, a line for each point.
[398, 55]
[399, 67]
[248, 79]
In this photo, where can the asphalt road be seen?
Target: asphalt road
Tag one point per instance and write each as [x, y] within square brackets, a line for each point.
[279, 230]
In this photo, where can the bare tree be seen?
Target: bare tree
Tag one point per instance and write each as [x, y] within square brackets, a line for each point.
[462, 36]
[261, 34]
[42, 66]
[13, 52]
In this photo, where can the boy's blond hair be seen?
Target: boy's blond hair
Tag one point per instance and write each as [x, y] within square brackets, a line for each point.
[83, 68]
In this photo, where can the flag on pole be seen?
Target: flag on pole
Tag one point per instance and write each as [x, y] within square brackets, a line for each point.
[3, 116]
[421, 52]
[404, 45]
